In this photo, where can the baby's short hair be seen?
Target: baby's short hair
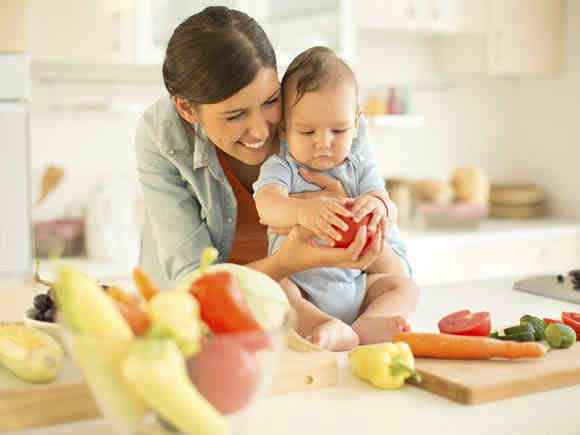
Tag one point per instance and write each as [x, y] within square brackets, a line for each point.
[314, 69]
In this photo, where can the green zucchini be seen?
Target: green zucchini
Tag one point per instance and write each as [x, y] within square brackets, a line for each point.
[515, 333]
[519, 329]
[520, 336]
[538, 324]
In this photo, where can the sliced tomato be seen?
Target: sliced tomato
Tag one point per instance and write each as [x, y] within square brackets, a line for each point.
[573, 321]
[466, 323]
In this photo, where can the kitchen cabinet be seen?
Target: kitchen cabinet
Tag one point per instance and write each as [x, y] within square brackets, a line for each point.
[522, 38]
[296, 26]
[421, 16]
[14, 26]
[69, 31]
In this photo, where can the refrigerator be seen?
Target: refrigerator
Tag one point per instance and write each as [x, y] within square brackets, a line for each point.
[16, 250]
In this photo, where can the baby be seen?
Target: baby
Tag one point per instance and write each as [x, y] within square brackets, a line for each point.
[337, 308]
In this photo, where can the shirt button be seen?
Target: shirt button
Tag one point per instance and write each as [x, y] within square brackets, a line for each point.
[229, 220]
[171, 152]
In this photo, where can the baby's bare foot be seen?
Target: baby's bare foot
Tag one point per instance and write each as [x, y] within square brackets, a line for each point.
[379, 329]
[334, 335]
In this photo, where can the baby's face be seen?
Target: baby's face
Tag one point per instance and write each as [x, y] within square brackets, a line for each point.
[320, 128]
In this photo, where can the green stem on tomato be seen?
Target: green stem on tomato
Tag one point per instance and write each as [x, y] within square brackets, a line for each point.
[208, 256]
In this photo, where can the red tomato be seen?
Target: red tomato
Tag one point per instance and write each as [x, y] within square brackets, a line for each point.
[466, 323]
[573, 321]
[225, 374]
[349, 235]
[548, 320]
[224, 309]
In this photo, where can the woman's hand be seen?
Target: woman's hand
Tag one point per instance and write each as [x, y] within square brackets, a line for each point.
[300, 251]
[329, 186]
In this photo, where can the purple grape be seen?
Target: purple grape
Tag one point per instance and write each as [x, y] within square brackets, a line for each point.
[50, 315]
[42, 302]
[31, 313]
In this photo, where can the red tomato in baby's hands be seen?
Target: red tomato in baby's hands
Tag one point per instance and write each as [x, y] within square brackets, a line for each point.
[466, 323]
[349, 235]
[225, 374]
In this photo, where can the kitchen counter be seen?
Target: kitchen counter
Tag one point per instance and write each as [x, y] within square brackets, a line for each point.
[353, 407]
[499, 247]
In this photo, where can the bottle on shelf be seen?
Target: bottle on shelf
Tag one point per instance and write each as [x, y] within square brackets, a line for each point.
[395, 102]
[375, 105]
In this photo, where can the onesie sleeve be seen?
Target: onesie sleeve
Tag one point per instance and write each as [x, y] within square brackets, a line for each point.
[274, 170]
[370, 178]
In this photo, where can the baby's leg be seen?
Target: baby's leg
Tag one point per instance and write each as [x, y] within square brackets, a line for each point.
[315, 325]
[389, 300]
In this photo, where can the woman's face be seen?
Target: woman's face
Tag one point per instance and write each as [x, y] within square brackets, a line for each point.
[245, 124]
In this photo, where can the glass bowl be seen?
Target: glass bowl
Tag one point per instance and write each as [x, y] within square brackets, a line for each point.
[231, 371]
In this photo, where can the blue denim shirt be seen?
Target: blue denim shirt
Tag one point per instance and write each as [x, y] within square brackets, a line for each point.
[189, 203]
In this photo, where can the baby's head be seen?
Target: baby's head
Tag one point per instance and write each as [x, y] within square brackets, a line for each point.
[321, 112]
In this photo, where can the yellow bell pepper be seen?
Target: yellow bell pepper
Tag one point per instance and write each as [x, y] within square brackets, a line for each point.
[384, 365]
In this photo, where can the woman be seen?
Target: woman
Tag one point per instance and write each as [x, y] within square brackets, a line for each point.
[200, 150]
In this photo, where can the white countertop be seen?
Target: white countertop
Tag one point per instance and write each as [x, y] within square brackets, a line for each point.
[353, 407]
[499, 229]
[417, 240]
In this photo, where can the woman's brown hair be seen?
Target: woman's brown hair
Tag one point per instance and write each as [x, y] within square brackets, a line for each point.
[215, 53]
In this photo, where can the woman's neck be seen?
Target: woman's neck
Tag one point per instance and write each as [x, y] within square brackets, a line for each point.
[246, 174]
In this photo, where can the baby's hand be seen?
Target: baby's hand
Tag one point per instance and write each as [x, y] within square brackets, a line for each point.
[365, 204]
[319, 215]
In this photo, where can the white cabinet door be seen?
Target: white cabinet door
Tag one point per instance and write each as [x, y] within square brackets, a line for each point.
[14, 26]
[71, 31]
[420, 16]
[525, 37]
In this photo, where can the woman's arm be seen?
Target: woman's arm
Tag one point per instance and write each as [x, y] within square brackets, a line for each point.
[285, 262]
[173, 213]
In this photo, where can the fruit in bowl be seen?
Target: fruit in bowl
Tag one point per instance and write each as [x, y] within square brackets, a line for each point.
[189, 361]
[43, 315]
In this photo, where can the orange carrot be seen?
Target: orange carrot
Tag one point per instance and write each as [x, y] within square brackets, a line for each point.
[137, 319]
[120, 295]
[430, 345]
[146, 286]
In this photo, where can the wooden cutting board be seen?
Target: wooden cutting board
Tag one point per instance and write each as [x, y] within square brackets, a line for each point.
[472, 382]
[67, 398]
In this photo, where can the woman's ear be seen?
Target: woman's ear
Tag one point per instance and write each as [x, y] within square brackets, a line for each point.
[185, 109]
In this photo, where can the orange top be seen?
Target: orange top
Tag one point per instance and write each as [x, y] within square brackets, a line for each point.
[250, 240]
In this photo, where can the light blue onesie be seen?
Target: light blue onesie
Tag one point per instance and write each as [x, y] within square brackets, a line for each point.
[336, 291]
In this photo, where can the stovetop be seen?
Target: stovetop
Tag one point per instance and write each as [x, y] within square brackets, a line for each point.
[562, 287]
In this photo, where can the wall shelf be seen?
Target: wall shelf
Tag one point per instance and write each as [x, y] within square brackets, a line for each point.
[397, 121]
